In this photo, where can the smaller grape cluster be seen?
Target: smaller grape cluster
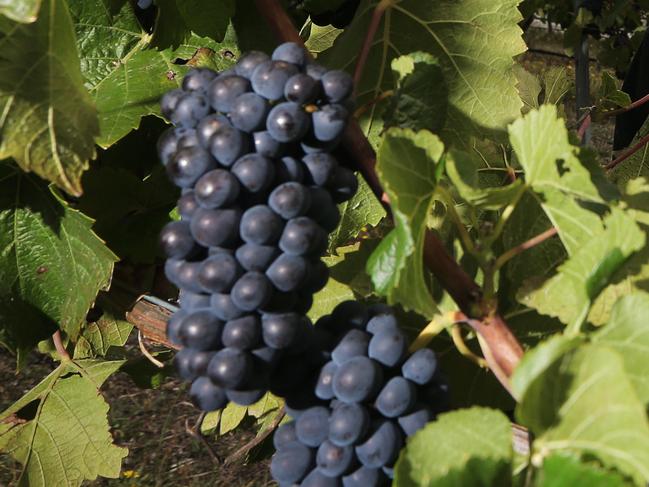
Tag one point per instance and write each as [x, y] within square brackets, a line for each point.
[372, 395]
[252, 152]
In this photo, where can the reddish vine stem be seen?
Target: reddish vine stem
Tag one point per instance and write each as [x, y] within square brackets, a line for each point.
[584, 126]
[377, 15]
[504, 350]
[60, 348]
[533, 242]
[616, 162]
[638, 103]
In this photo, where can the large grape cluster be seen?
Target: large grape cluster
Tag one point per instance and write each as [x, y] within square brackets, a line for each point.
[252, 151]
[371, 394]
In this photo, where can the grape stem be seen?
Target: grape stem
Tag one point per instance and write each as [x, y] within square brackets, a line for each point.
[533, 242]
[146, 353]
[504, 350]
[377, 15]
[60, 348]
[460, 344]
[619, 160]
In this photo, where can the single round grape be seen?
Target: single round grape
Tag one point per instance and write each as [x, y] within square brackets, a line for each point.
[288, 272]
[303, 236]
[321, 166]
[284, 436]
[288, 122]
[396, 398]
[187, 204]
[207, 396]
[312, 427]
[245, 398]
[201, 330]
[315, 478]
[291, 464]
[169, 101]
[216, 188]
[198, 79]
[260, 225]
[166, 145]
[357, 379]
[186, 137]
[189, 109]
[176, 240]
[268, 78]
[334, 460]
[382, 446]
[191, 364]
[343, 185]
[266, 146]
[366, 477]
[210, 125]
[215, 228]
[337, 85]
[416, 420]
[224, 308]
[324, 386]
[301, 88]
[190, 301]
[242, 333]
[350, 314]
[348, 424]
[290, 52]
[230, 368]
[227, 144]
[317, 277]
[382, 323]
[329, 122]
[256, 257]
[173, 326]
[255, 172]
[420, 367]
[388, 347]
[289, 169]
[248, 62]
[189, 164]
[224, 89]
[290, 200]
[183, 275]
[316, 71]
[218, 273]
[248, 112]
[353, 344]
[251, 291]
[280, 330]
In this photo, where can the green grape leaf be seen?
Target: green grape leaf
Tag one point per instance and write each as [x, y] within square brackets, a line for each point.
[609, 95]
[231, 417]
[637, 165]
[348, 266]
[52, 265]
[99, 336]
[59, 430]
[177, 19]
[20, 10]
[475, 53]
[414, 105]
[361, 211]
[553, 171]
[325, 300]
[567, 471]
[570, 293]
[321, 38]
[131, 223]
[529, 88]
[466, 447]
[406, 166]
[49, 122]
[557, 83]
[585, 404]
[628, 333]
[462, 169]
[252, 34]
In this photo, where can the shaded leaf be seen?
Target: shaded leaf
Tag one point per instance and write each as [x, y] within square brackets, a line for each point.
[67, 440]
[49, 122]
[566, 471]
[52, 265]
[529, 88]
[406, 165]
[466, 447]
[20, 10]
[557, 83]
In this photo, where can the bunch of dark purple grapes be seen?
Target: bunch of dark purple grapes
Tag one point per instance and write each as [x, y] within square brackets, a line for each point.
[252, 151]
[371, 394]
